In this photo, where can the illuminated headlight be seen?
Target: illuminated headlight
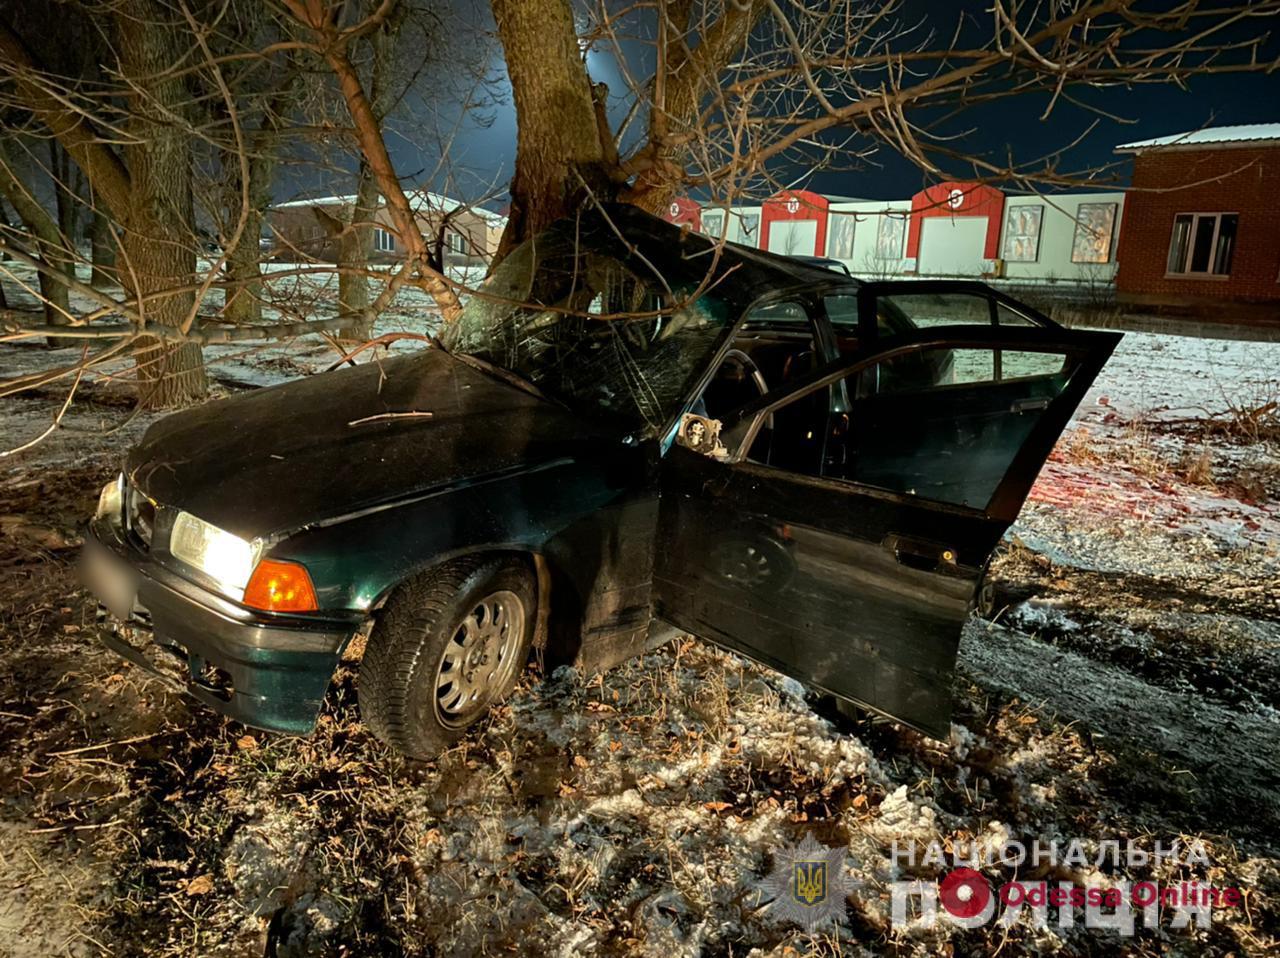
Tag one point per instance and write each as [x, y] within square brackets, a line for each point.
[111, 499]
[218, 554]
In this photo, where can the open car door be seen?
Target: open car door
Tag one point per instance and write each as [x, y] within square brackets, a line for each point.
[857, 580]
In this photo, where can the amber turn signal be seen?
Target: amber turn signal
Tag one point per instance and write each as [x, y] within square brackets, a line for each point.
[278, 586]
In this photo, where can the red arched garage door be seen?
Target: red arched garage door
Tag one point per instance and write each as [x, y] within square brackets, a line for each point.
[955, 229]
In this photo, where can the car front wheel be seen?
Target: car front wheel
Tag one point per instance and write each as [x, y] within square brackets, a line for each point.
[448, 645]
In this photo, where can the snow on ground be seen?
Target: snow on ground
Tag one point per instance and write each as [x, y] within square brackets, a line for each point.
[1125, 683]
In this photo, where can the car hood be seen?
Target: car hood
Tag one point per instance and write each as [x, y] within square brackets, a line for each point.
[274, 460]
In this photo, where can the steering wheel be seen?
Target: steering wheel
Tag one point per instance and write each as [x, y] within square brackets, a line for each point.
[749, 366]
[753, 371]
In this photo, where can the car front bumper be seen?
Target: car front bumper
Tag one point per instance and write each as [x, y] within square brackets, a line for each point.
[268, 671]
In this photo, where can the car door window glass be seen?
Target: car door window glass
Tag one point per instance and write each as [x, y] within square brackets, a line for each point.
[926, 310]
[951, 434]
[842, 314]
[1006, 316]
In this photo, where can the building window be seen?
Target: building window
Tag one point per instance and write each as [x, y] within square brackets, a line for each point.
[455, 242]
[1095, 226]
[713, 224]
[1202, 244]
[384, 241]
[1022, 233]
[889, 236]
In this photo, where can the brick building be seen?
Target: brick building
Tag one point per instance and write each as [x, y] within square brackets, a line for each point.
[310, 229]
[1202, 219]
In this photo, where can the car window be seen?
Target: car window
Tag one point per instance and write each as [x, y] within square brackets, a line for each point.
[777, 314]
[926, 310]
[842, 311]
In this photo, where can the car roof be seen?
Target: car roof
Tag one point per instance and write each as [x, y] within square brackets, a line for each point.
[678, 252]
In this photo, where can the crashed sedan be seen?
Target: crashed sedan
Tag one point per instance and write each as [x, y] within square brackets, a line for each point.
[630, 433]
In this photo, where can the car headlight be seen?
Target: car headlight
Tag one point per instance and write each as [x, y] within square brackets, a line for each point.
[111, 499]
[224, 557]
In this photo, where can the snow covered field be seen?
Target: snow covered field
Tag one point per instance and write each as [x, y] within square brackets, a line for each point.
[1125, 684]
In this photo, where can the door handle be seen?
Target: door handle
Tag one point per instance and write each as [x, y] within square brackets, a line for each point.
[919, 553]
[1029, 405]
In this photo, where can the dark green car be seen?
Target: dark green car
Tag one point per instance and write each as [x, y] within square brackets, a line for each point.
[630, 433]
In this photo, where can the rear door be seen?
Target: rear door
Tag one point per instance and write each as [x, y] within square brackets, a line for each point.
[856, 577]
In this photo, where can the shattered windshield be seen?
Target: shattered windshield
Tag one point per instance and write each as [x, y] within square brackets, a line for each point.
[606, 334]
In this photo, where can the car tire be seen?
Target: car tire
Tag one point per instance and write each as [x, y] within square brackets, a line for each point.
[448, 644]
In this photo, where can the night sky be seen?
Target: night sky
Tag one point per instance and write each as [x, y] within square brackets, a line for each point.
[483, 150]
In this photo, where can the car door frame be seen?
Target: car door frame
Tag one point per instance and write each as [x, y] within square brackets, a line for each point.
[1092, 347]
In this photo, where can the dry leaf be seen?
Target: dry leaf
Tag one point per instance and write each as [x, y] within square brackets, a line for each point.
[716, 806]
[200, 886]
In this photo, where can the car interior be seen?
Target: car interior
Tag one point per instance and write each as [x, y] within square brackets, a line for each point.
[942, 423]
[773, 348]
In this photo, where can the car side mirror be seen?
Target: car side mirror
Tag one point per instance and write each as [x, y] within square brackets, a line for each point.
[701, 435]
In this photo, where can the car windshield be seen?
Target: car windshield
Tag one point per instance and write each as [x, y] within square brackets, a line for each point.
[595, 327]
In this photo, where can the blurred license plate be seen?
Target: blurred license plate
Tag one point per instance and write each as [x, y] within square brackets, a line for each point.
[111, 579]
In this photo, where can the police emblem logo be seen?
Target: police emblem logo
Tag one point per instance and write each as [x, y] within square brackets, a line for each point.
[807, 884]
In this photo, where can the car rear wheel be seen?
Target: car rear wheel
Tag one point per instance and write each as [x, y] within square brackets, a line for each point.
[448, 645]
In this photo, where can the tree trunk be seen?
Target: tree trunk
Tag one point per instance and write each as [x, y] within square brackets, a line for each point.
[244, 263]
[159, 239]
[244, 274]
[104, 252]
[67, 180]
[355, 244]
[54, 297]
[560, 152]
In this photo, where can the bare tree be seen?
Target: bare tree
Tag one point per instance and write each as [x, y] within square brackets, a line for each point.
[145, 182]
[738, 87]
[334, 41]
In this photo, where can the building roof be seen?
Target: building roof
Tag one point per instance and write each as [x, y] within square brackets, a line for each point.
[1246, 133]
[418, 200]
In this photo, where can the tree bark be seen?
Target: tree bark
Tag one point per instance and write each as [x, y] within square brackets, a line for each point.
[354, 247]
[159, 239]
[357, 237]
[688, 76]
[244, 263]
[48, 242]
[104, 252]
[243, 305]
[66, 188]
[560, 154]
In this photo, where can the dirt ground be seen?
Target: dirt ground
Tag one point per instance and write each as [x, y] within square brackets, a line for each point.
[1122, 685]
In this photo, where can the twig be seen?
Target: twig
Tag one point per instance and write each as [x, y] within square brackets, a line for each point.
[102, 745]
[71, 394]
[73, 828]
[391, 415]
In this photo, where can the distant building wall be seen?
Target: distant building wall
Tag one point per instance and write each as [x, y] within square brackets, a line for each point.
[869, 236]
[1072, 237]
[310, 230]
[1241, 180]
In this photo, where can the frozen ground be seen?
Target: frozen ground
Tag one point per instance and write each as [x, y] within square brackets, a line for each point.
[1123, 685]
